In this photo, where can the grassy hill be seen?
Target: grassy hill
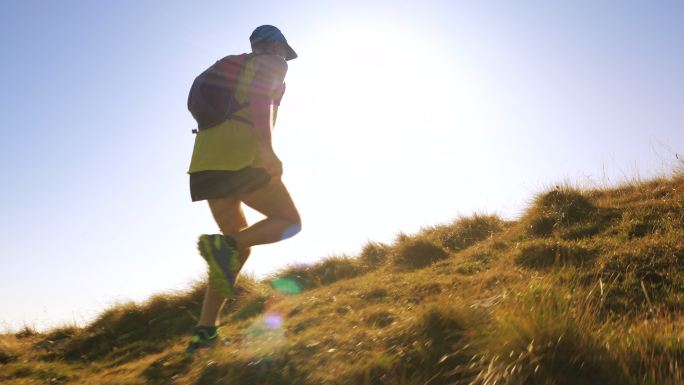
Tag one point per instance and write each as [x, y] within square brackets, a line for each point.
[587, 287]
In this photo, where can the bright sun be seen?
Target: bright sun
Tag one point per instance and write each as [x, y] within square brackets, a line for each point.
[369, 108]
[370, 82]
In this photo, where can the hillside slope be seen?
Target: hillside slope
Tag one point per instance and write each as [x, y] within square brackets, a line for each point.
[587, 287]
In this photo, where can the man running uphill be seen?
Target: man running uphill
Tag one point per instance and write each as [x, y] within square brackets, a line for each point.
[235, 103]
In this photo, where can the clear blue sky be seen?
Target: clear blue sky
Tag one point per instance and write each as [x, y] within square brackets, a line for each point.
[399, 114]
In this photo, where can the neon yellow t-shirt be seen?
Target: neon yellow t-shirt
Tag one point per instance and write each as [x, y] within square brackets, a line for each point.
[230, 145]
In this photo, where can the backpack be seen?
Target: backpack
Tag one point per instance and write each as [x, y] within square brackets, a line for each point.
[211, 99]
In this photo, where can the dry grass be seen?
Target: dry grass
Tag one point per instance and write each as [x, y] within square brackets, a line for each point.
[545, 336]
[544, 253]
[586, 288]
[416, 253]
[374, 254]
[465, 231]
[325, 272]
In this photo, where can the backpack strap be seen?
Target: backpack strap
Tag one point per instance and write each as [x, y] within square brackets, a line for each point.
[239, 106]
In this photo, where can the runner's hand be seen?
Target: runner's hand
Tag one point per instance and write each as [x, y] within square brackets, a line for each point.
[273, 165]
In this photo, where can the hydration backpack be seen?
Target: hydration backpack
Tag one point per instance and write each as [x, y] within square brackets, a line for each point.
[212, 96]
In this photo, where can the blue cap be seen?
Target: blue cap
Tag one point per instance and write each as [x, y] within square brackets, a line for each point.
[269, 33]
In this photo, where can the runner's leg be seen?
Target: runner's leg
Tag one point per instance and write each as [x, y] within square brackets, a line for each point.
[282, 221]
[230, 219]
[282, 218]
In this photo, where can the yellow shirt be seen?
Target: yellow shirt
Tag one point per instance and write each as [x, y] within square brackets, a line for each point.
[232, 144]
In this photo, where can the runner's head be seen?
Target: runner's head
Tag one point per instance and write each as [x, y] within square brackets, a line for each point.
[269, 39]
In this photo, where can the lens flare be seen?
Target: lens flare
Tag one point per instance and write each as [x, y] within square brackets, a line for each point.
[265, 335]
[286, 285]
[273, 321]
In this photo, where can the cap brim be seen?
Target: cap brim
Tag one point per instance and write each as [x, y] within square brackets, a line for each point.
[291, 54]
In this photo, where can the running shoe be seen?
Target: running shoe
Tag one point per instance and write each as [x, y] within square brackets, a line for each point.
[221, 255]
[202, 337]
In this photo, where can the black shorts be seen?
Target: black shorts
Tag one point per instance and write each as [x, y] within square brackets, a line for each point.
[220, 183]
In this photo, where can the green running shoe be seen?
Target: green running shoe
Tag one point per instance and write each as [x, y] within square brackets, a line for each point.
[202, 337]
[221, 255]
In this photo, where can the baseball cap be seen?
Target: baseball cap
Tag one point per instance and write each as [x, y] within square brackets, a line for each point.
[269, 33]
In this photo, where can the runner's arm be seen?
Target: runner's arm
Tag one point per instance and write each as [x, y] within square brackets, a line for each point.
[276, 104]
[269, 77]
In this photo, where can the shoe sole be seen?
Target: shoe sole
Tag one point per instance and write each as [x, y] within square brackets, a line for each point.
[221, 277]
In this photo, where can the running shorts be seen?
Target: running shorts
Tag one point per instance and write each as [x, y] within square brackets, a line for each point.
[213, 184]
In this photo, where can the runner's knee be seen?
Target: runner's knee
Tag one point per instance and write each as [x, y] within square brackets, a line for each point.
[294, 227]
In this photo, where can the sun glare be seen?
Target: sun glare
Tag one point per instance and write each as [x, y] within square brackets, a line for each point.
[372, 84]
[382, 96]
[370, 107]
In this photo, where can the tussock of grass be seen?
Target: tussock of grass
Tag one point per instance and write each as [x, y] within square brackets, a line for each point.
[9, 350]
[130, 331]
[440, 339]
[678, 173]
[469, 268]
[144, 328]
[26, 332]
[543, 253]
[434, 349]
[375, 294]
[379, 319]
[414, 254]
[560, 207]
[546, 338]
[374, 254]
[275, 370]
[479, 258]
[163, 370]
[325, 272]
[250, 301]
[61, 333]
[652, 350]
[465, 231]
[301, 276]
[651, 219]
[38, 373]
[336, 268]
[425, 290]
[644, 274]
